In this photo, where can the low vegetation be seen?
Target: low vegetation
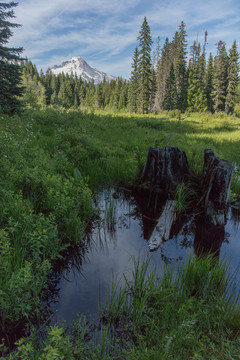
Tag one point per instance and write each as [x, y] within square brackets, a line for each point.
[52, 165]
[55, 161]
[191, 315]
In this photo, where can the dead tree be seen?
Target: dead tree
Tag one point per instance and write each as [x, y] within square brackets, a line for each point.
[216, 181]
[164, 170]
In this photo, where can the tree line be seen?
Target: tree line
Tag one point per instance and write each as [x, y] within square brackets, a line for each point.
[173, 79]
[163, 78]
[70, 91]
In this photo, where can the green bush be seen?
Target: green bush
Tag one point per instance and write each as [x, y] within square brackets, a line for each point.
[237, 110]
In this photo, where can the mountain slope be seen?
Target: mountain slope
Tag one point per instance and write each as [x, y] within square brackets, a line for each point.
[80, 67]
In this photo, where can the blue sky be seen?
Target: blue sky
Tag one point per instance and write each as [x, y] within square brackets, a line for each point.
[104, 32]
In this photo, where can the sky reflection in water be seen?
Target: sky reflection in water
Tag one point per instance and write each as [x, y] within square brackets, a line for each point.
[110, 251]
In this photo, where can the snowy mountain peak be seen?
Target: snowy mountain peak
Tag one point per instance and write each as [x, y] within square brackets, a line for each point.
[78, 66]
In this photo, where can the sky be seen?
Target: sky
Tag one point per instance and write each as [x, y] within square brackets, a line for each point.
[104, 32]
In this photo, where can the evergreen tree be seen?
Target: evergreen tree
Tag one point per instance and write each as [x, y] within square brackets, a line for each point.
[202, 65]
[46, 81]
[76, 87]
[65, 95]
[90, 94]
[153, 90]
[145, 42]
[134, 83]
[81, 90]
[170, 98]
[196, 99]
[209, 83]
[180, 53]
[123, 98]
[99, 101]
[220, 77]
[233, 69]
[163, 69]
[10, 71]
[115, 98]
[55, 86]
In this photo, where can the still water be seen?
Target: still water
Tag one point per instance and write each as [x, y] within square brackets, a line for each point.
[120, 234]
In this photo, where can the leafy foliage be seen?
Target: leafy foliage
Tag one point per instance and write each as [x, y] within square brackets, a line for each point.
[44, 207]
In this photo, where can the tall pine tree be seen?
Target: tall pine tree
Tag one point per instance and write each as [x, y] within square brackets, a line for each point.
[209, 83]
[180, 62]
[145, 73]
[233, 69]
[196, 98]
[10, 71]
[170, 98]
[134, 83]
[220, 77]
[163, 70]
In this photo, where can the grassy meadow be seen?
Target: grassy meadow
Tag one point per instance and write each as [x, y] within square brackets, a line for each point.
[53, 163]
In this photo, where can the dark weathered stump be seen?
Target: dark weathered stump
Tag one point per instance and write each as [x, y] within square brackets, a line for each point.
[164, 170]
[216, 181]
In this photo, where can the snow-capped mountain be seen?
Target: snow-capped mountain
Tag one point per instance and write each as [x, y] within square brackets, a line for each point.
[80, 67]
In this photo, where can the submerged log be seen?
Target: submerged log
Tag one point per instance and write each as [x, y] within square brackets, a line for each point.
[164, 170]
[216, 181]
[163, 226]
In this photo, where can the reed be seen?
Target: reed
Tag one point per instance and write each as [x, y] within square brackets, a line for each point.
[187, 314]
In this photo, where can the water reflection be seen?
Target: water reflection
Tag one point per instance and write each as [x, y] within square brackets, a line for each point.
[121, 232]
[208, 238]
[235, 216]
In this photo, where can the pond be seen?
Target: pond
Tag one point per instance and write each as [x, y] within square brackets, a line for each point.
[120, 235]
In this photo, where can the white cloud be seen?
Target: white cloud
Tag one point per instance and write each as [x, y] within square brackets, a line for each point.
[120, 67]
[109, 28]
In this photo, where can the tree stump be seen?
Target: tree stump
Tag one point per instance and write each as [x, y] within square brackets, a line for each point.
[216, 181]
[164, 170]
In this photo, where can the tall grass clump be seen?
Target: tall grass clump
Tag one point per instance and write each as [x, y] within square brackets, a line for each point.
[189, 315]
[110, 213]
[185, 197]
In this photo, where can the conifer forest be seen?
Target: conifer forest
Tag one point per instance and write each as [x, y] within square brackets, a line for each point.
[166, 77]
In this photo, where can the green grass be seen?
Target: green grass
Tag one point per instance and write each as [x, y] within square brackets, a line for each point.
[191, 314]
[54, 162]
[185, 197]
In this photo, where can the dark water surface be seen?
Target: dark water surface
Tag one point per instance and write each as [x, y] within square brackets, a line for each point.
[120, 235]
